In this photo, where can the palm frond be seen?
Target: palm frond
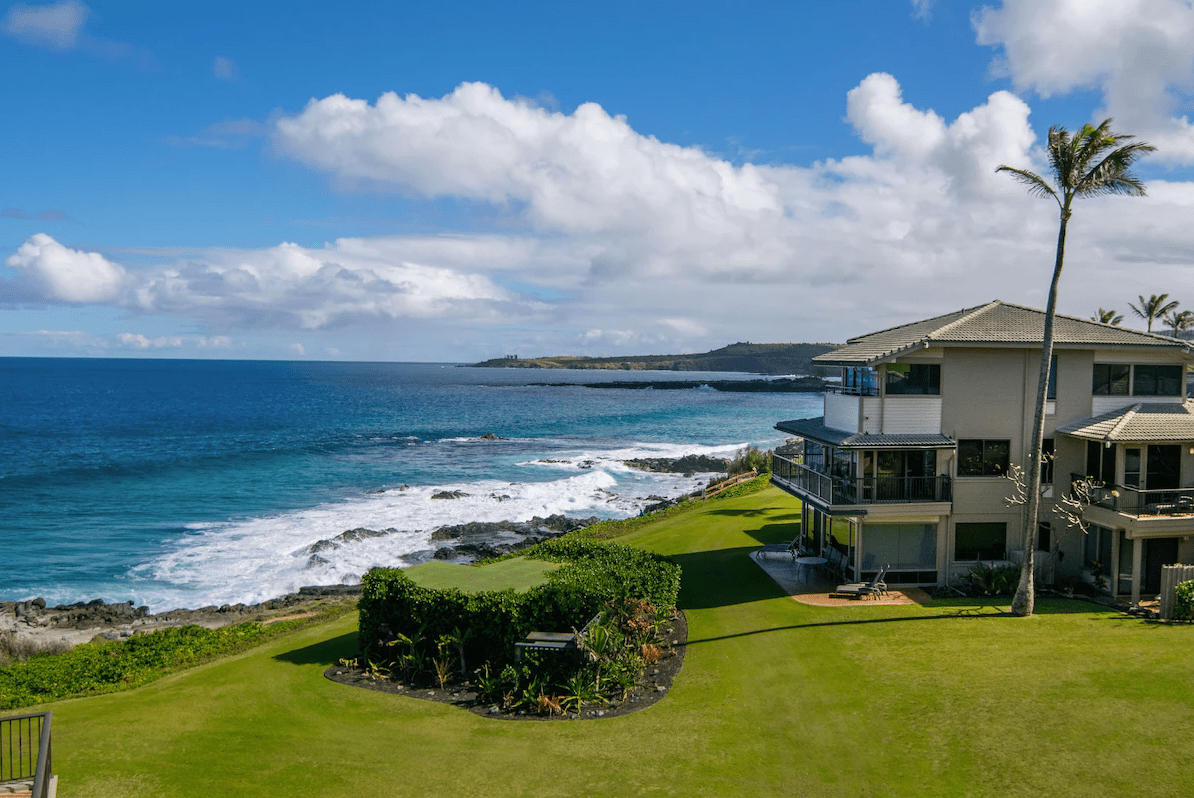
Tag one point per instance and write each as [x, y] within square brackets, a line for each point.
[1036, 184]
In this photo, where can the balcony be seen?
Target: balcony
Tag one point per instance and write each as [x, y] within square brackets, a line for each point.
[804, 481]
[1135, 502]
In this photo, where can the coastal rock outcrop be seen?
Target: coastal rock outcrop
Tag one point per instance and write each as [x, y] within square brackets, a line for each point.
[688, 464]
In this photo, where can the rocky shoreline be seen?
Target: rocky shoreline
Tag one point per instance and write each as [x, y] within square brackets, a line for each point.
[32, 625]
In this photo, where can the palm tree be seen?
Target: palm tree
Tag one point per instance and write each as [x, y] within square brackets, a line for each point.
[1108, 317]
[1179, 321]
[1094, 161]
[1153, 308]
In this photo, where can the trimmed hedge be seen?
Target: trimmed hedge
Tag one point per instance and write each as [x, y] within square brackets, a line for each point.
[1183, 605]
[593, 572]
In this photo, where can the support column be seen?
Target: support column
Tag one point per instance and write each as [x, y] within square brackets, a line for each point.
[1116, 535]
[1137, 556]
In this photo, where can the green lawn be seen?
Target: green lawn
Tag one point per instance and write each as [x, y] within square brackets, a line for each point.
[516, 573]
[776, 698]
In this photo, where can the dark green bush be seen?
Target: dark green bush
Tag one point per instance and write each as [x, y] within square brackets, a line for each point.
[593, 572]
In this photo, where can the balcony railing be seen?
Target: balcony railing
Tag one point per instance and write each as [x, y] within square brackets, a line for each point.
[860, 490]
[1133, 501]
[25, 753]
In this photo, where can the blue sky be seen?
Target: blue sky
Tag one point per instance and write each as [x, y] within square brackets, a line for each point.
[455, 181]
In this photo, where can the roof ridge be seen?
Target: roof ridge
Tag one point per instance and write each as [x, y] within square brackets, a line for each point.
[913, 323]
[1127, 416]
[1099, 324]
[974, 313]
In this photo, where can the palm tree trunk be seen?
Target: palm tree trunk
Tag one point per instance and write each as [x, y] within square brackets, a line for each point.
[1024, 600]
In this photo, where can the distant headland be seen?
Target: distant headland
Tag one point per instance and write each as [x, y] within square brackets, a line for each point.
[740, 357]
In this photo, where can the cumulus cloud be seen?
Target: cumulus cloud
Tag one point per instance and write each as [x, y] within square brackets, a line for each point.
[69, 275]
[614, 242]
[57, 26]
[139, 341]
[1138, 53]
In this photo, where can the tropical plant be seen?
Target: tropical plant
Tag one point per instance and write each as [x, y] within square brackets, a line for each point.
[1179, 321]
[1183, 605]
[1154, 307]
[1092, 162]
[1108, 317]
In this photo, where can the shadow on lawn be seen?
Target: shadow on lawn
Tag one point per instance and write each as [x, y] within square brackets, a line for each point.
[722, 578]
[326, 652]
[995, 613]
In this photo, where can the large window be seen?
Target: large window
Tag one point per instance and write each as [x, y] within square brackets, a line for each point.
[983, 458]
[1047, 461]
[1110, 379]
[906, 379]
[1156, 380]
[860, 380]
[987, 541]
[1121, 379]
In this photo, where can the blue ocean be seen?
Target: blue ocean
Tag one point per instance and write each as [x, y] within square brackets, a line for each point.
[178, 483]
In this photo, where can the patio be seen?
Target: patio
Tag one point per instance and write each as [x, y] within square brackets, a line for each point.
[807, 585]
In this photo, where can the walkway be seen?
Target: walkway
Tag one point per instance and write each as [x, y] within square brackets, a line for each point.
[808, 586]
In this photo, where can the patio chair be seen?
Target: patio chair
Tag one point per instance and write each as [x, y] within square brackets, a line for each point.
[876, 587]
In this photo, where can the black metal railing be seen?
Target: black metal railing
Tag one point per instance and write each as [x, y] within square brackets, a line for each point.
[25, 751]
[860, 490]
[1133, 501]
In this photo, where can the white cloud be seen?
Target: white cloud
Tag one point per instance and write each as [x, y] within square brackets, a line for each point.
[68, 274]
[138, 341]
[1138, 53]
[707, 253]
[922, 9]
[57, 26]
[298, 349]
[225, 68]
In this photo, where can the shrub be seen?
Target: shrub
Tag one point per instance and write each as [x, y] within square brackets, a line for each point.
[750, 457]
[405, 625]
[1183, 605]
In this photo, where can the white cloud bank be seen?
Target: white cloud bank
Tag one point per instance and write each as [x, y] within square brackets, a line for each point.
[1138, 53]
[632, 244]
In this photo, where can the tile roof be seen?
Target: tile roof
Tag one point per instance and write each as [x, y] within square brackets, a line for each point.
[993, 323]
[1152, 422]
[815, 429]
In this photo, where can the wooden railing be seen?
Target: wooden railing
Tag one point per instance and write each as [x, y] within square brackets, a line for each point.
[726, 484]
[25, 751]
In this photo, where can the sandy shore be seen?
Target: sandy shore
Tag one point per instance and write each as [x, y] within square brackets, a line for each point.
[31, 625]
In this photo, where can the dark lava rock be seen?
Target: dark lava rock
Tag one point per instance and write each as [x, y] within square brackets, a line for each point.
[489, 436]
[449, 494]
[445, 553]
[689, 463]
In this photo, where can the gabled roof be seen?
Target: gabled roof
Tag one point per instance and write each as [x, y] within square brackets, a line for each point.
[815, 429]
[993, 323]
[1151, 422]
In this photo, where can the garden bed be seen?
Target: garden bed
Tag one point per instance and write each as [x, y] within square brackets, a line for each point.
[654, 685]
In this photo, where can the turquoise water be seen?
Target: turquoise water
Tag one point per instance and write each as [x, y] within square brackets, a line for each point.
[185, 483]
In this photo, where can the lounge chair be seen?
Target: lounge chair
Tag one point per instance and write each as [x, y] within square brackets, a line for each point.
[876, 587]
[791, 549]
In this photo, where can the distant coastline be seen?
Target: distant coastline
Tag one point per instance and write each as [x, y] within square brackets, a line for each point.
[793, 359]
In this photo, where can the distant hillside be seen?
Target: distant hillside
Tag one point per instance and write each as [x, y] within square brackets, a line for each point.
[757, 358]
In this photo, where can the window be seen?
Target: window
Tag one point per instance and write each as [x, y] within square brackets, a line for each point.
[1114, 379]
[900, 547]
[1100, 462]
[1051, 387]
[1044, 536]
[1132, 468]
[980, 541]
[860, 381]
[1110, 379]
[907, 379]
[1047, 461]
[983, 458]
[1157, 381]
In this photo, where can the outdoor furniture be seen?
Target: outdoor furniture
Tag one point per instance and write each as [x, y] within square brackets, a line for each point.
[804, 562]
[791, 549]
[876, 587]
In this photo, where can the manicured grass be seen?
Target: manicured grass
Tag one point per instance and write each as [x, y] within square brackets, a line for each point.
[776, 698]
[517, 573]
